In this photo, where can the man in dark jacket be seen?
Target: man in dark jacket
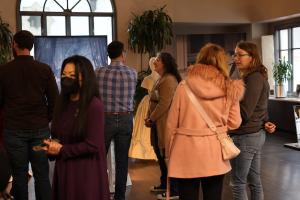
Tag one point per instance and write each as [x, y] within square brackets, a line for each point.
[27, 95]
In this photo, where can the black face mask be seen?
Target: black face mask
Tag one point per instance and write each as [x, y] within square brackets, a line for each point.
[69, 86]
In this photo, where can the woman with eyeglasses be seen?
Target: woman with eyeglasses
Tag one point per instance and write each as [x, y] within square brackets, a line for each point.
[78, 125]
[250, 136]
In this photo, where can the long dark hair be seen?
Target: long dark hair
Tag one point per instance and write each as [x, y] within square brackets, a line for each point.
[256, 63]
[170, 65]
[88, 90]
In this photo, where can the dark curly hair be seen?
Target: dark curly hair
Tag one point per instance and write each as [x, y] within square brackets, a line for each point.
[170, 64]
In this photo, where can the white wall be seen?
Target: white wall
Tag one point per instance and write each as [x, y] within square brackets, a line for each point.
[267, 44]
[8, 12]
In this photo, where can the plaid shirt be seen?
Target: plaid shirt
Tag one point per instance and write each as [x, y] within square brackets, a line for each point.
[117, 84]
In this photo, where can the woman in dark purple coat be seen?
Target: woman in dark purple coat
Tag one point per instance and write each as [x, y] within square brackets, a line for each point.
[80, 169]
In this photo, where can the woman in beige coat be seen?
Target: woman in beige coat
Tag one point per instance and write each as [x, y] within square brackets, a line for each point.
[193, 150]
[160, 101]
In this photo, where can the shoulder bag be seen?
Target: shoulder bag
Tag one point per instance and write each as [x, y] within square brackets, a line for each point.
[229, 150]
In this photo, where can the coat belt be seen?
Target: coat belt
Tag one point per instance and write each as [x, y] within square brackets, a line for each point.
[200, 132]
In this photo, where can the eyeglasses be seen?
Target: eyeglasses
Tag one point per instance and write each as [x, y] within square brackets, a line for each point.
[237, 55]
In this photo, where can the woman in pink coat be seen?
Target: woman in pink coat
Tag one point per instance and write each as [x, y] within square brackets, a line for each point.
[193, 151]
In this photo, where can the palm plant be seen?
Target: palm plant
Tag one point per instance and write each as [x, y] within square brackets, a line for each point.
[5, 42]
[150, 32]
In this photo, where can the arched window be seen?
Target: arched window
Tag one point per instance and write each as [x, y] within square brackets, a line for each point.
[67, 17]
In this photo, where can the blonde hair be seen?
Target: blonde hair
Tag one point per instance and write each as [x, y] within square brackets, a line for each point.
[214, 55]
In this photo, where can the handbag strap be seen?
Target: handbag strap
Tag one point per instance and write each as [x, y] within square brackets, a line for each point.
[199, 107]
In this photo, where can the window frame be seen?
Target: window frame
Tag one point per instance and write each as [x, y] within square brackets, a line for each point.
[290, 49]
[68, 15]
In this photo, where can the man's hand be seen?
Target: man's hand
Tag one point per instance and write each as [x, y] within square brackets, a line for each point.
[270, 127]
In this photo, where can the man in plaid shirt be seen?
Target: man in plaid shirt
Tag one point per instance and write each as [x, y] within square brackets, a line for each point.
[117, 83]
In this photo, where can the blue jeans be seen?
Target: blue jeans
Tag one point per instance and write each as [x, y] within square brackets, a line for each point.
[19, 145]
[119, 129]
[246, 168]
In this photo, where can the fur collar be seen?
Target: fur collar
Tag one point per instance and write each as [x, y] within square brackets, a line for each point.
[233, 89]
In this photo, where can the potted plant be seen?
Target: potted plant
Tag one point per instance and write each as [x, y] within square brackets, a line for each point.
[6, 38]
[282, 71]
[150, 32]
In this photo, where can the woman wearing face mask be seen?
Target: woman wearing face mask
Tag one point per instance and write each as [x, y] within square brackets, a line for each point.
[250, 136]
[78, 124]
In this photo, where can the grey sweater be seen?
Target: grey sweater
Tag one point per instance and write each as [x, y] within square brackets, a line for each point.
[254, 105]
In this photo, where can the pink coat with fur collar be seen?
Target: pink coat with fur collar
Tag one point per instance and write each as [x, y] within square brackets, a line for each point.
[192, 148]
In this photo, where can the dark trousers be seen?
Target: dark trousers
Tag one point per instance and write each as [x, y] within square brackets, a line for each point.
[119, 129]
[211, 188]
[19, 145]
[5, 170]
[162, 164]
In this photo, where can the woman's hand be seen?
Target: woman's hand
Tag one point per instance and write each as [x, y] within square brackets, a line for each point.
[52, 147]
[148, 122]
[270, 127]
[167, 162]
